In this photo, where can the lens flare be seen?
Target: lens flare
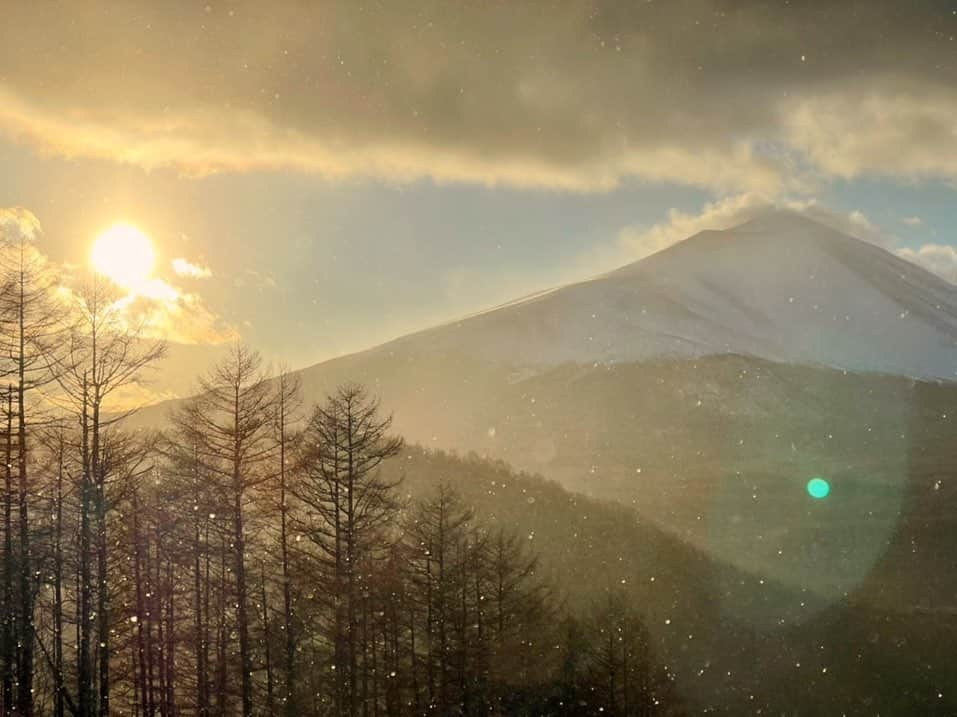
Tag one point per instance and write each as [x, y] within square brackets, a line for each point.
[818, 488]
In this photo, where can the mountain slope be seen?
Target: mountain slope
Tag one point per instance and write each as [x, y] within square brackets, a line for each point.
[738, 643]
[716, 450]
[779, 287]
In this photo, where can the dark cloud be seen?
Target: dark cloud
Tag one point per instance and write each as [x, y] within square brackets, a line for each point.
[728, 95]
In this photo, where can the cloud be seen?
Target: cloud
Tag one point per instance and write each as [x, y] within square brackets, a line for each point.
[17, 223]
[914, 221]
[698, 92]
[158, 309]
[187, 269]
[638, 241]
[940, 259]
[242, 142]
[894, 128]
[166, 312]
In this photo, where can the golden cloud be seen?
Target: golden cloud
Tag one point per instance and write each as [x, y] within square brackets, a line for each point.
[165, 312]
[187, 269]
[18, 223]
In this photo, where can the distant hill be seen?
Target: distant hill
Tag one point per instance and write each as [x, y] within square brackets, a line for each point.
[717, 450]
[738, 643]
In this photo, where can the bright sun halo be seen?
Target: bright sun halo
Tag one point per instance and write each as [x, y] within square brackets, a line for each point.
[124, 254]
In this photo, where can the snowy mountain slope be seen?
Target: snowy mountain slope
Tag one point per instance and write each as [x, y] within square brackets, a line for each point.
[779, 287]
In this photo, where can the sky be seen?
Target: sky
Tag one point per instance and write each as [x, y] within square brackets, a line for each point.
[317, 178]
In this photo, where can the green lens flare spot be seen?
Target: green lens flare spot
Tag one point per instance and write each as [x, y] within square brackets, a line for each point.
[818, 488]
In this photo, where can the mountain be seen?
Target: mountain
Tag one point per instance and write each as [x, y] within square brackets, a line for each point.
[780, 287]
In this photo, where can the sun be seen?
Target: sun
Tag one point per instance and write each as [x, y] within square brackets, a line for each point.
[125, 255]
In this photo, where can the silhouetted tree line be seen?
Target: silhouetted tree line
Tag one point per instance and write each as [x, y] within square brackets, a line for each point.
[252, 559]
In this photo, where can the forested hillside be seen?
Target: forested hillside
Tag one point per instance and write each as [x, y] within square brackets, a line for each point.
[711, 623]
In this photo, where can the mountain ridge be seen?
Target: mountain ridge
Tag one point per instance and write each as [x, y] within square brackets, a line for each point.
[780, 287]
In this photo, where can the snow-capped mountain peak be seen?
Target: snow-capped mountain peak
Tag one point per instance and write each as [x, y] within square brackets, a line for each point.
[781, 287]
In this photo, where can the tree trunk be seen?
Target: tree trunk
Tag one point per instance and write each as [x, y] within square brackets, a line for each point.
[9, 643]
[102, 592]
[156, 612]
[289, 654]
[365, 670]
[58, 686]
[267, 647]
[25, 680]
[242, 616]
[239, 544]
[202, 705]
[143, 647]
[207, 587]
[170, 642]
[85, 603]
[221, 636]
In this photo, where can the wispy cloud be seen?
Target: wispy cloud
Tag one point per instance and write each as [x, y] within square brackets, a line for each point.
[19, 223]
[187, 269]
[638, 241]
[882, 127]
[941, 259]
[175, 315]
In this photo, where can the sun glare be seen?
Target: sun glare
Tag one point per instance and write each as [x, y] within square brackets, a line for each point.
[125, 255]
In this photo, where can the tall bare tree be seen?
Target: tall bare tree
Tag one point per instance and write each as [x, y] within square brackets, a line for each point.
[348, 506]
[55, 441]
[435, 531]
[32, 331]
[228, 423]
[287, 405]
[106, 352]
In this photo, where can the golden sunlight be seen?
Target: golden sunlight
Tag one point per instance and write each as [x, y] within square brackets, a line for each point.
[125, 255]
